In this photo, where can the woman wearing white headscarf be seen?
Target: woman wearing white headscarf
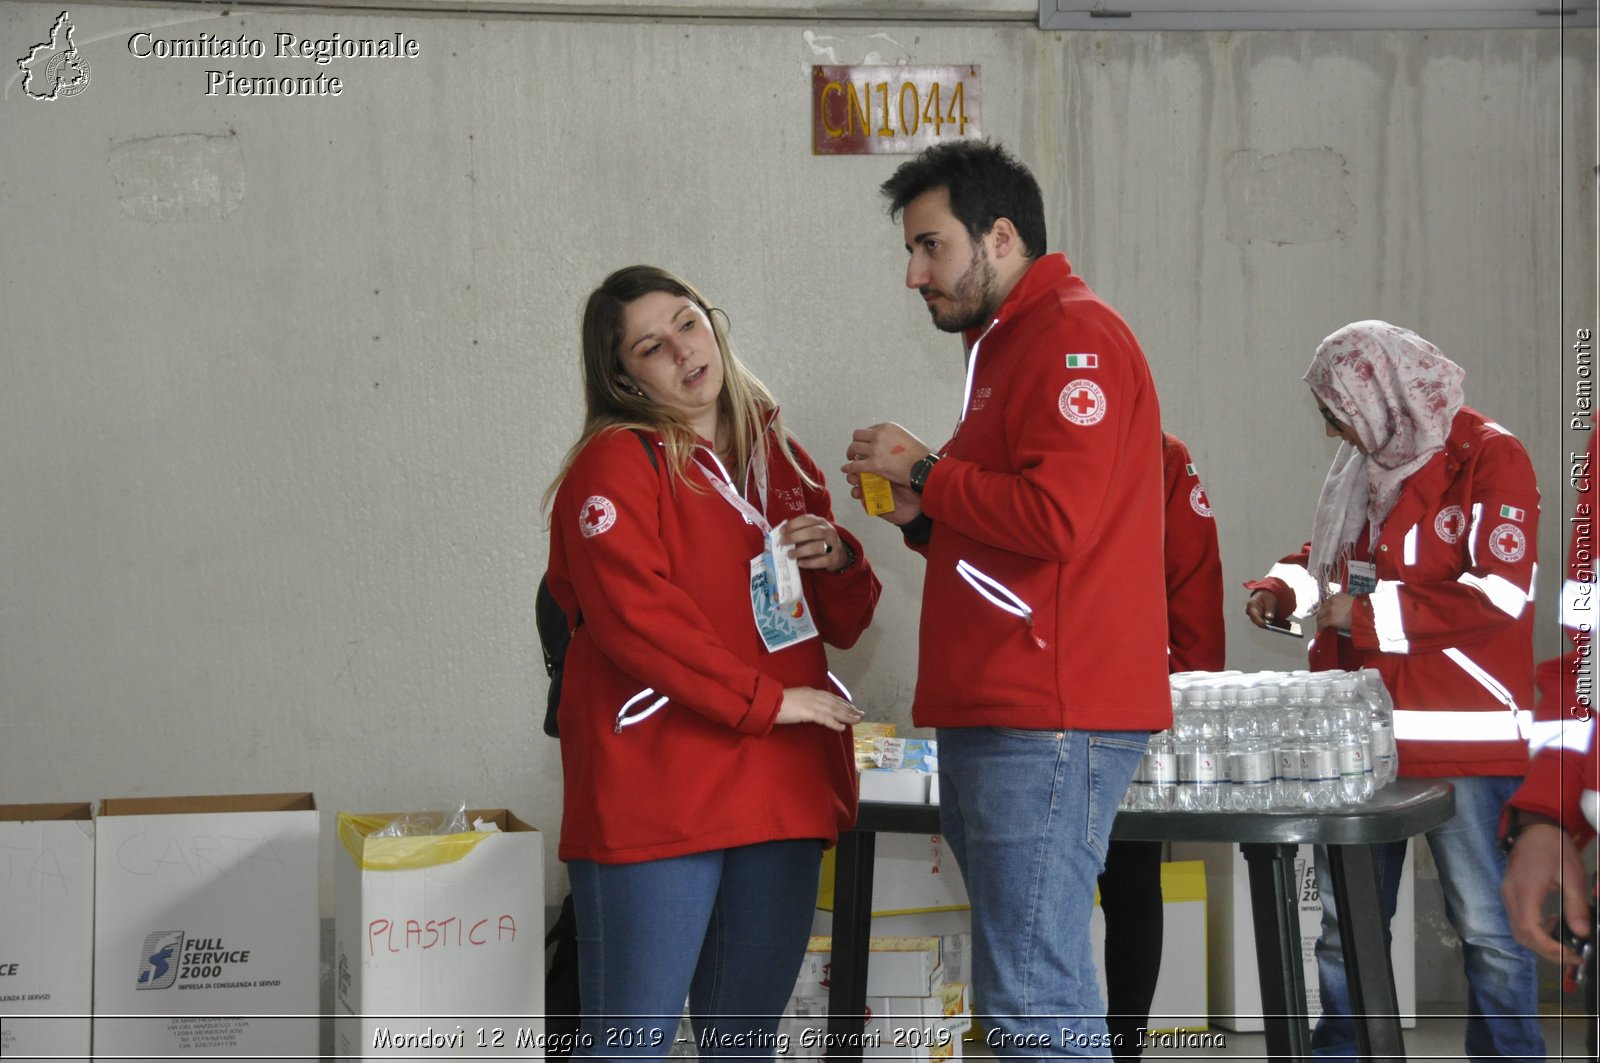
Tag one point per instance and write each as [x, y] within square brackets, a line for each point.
[1421, 565]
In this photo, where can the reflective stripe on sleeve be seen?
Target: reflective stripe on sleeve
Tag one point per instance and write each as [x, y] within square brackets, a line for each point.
[1386, 622]
[1574, 735]
[1300, 581]
[1491, 725]
[1472, 533]
[1505, 595]
[1411, 546]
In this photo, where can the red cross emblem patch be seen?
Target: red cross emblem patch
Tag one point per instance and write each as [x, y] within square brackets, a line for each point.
[1449, 524]
[1082, 402]
[1508, 543]
[596, 515]
[1198, 501]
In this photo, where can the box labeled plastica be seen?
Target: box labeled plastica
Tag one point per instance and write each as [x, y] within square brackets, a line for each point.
[439, 940]
[46, 930]
[206, 932]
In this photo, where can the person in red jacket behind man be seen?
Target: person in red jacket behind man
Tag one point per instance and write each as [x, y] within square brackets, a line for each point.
[1130, 885]
[1553, 814]
[1421, 565]
[705, 763]
[1042, 650]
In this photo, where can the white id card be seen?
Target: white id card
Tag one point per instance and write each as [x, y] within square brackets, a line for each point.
[783, 571]
[779, 624]
[1363, 578]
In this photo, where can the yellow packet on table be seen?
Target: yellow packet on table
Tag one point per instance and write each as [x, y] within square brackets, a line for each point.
[877, 494]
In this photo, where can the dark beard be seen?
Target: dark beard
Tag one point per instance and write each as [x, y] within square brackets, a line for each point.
[973, 297]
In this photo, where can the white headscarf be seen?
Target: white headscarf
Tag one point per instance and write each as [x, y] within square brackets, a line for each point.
[1400, 396]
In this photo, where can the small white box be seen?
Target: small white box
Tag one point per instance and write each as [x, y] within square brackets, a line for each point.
[46, 930]
[903, 785]
[206, 927]
[440, 941]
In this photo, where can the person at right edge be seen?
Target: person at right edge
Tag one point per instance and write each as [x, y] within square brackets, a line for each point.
[1042, 650]
[1553, 814]
[1421, 565]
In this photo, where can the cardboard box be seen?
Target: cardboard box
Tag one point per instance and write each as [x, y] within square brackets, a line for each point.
[206, 927]
[46, 930]
[1180, 998]
[910, 873]
[439, 941]
[1234, 987]
[896, 967]
[906, 1028]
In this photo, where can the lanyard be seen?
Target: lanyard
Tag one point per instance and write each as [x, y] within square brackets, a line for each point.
[724, 487]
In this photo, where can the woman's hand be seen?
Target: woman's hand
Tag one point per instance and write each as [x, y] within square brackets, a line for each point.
[815, 543]
[1336, 612]
[1262, 607]
[810, 705]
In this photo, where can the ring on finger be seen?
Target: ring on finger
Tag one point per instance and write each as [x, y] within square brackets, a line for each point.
[827, 548]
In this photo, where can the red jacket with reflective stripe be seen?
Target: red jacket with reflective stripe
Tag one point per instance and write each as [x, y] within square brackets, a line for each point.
[1450, 626]
[1043, 605]
[1566, 755]
[1195, 637]
[661, 575]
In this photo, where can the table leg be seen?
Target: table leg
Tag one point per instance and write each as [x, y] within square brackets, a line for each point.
[852, 929]
[1369, 972]
[1274, 895]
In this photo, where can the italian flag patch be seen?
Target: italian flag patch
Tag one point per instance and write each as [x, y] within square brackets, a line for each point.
[1191, 470]
[1083, 361]
[1512, 513]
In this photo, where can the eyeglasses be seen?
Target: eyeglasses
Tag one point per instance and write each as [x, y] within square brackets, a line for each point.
[1333, 422]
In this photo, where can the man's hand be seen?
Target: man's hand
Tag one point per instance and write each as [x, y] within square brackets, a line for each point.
[1545, 861]
[888, 451]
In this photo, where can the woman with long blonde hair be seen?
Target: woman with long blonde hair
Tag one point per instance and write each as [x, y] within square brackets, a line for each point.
[706, 762]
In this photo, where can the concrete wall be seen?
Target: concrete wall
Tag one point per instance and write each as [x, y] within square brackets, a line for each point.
[283, 381]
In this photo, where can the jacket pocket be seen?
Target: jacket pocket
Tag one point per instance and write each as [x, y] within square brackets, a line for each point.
[629, 714]
[1000, 596]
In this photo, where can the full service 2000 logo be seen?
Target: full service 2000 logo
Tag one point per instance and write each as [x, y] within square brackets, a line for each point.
[172, 958]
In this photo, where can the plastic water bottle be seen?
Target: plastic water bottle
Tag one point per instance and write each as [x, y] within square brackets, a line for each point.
[1319, 756]
[1250, 767]
[1194, 741]
[1353, 741]
[1160, 769]
[1380, 727]
[1289, 791]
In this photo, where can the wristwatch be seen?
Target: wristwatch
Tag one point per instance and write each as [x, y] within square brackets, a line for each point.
[1516, 819]
[919, 471]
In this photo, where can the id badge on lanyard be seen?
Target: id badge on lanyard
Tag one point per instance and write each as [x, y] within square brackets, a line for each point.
[1362, 577]
[777, 601]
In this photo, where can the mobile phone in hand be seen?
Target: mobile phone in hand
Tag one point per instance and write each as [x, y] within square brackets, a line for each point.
[1285, 627]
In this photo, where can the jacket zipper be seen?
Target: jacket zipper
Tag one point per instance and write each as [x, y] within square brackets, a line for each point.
[624, 720]
[1000, 596]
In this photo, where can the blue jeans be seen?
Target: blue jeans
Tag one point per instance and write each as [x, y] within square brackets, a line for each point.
[1027, 815]
[1502, 979]
[726, 929]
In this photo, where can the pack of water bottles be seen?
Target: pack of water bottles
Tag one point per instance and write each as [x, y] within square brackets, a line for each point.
[1256, 741]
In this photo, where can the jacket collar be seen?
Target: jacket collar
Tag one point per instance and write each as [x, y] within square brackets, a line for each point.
[1036, 282]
